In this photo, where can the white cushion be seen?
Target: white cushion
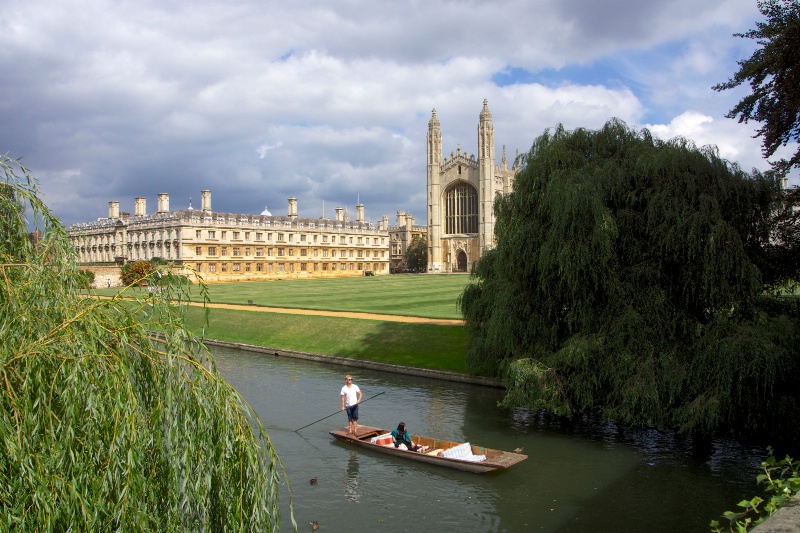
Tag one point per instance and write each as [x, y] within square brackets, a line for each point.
[374, 440]
[463, 452]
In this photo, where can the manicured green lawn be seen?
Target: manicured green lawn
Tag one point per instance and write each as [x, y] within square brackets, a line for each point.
[419, 345]
[399, 294]
[431, 296]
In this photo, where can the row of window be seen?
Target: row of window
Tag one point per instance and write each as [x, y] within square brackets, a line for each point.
[285, 267]
[240, 235]
[284, 252]
[287, 237]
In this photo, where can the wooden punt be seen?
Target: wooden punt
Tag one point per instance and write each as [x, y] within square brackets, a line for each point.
[495, 459]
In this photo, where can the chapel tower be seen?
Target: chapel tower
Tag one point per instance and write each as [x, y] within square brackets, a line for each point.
[461, 193]
[434, 192]
[486, 172]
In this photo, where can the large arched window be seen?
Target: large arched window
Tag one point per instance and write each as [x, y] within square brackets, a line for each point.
[461, 209]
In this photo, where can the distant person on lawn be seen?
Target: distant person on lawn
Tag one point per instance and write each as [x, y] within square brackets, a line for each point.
[351, 397]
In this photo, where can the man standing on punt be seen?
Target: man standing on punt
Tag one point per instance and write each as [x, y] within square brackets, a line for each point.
[351, 397]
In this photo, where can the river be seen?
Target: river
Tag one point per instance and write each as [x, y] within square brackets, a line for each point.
[580, 477]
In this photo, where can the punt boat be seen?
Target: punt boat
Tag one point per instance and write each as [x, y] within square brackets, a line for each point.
[458, 455]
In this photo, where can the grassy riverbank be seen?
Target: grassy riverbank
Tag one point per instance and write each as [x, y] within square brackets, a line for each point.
[431, 346]
[421, 345]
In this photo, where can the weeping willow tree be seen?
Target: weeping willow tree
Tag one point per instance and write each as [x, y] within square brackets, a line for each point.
[633, 278]
[101, 428]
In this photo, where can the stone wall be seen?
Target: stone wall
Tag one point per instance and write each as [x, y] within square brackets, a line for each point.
[786, 520]
[103, 275]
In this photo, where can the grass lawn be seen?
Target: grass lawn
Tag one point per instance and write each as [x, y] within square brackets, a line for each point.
[430, 296]
[419, 345]
[398, 294]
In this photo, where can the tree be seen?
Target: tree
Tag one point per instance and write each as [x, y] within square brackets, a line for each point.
[773, 72]
[136, 272]
[88, 278]
[623, 284]
[102, 428]
[416, 256]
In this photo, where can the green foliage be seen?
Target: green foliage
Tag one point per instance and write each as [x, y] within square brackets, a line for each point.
[103, 429]
[416, 256]
[773, 72]
[136, 272]
[782, 483]
[627, 281]
[88, 278]
[773, 242]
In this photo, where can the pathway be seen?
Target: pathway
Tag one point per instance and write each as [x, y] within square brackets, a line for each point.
[342, 314]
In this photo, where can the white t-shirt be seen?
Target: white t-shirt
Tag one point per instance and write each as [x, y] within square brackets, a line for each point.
[350, 394]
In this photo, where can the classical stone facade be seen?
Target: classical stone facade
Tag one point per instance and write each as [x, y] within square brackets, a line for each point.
[235, 247]
[461, 191]
[401, 236]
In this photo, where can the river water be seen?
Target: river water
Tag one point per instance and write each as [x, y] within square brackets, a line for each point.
[580, 477]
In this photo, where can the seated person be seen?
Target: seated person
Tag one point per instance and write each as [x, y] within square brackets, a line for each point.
[401, 436]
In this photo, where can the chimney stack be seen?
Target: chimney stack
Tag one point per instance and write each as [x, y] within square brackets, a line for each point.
[293, 208]
[360, 213]
[339, 217]
[205, 201]
[113, 209]
[163, 202]
[140, 206]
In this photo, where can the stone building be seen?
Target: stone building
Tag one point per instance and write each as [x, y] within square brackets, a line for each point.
[235, 247]
[461, 192]
[401, 236]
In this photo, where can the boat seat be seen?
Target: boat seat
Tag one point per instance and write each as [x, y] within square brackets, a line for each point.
[437, 451]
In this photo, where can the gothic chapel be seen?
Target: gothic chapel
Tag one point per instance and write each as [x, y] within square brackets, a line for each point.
[461, 191]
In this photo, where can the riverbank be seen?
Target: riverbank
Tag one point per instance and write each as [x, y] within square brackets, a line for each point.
[423, 343]
[359, 363]
[785, 520]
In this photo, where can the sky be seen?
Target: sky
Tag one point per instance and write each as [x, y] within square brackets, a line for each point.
[329, 101]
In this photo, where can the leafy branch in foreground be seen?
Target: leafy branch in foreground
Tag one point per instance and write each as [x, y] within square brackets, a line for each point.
[102, 428]
[782, 481]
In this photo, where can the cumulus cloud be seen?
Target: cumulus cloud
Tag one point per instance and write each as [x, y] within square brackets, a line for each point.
[736, 144]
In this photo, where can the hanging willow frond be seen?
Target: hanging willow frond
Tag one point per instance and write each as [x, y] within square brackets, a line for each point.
[103, 429]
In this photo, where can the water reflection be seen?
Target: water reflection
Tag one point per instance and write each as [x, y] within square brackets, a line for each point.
[352, 491]
[657, 447]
